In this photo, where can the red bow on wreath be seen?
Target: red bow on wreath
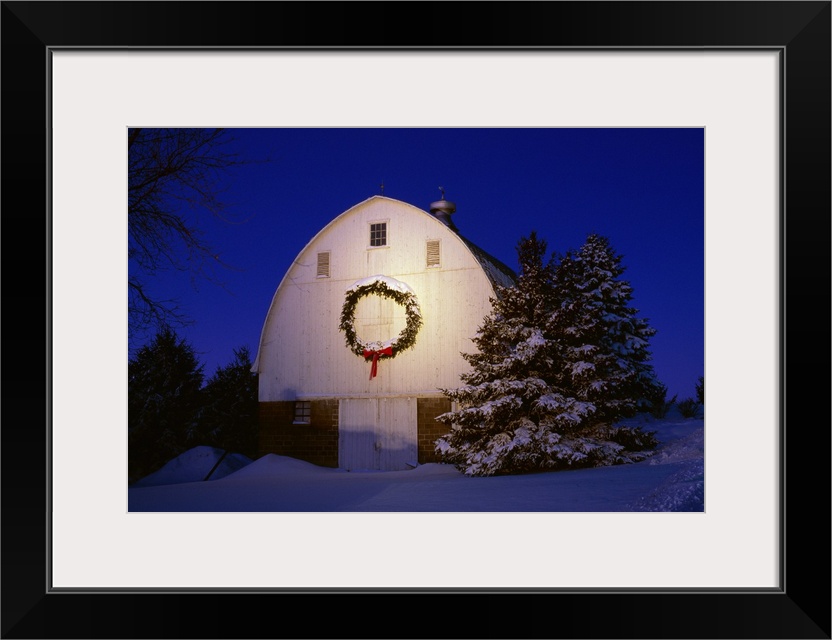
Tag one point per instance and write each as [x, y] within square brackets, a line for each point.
[375, 355]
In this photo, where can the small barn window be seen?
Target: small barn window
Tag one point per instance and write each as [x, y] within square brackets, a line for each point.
[303, 413]
[378, 234]
[433, 253]
[323, 264]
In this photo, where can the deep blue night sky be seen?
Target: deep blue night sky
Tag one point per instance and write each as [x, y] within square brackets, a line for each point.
[642, 188]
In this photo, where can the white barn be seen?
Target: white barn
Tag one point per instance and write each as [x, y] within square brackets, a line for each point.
[318, 398]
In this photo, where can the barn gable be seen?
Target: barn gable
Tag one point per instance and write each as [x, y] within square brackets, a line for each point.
[305, 365]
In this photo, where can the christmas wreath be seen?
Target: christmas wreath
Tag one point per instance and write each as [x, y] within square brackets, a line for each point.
[386, 288]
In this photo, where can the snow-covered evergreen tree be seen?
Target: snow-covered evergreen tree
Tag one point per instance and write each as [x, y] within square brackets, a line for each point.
[533, 400]
[605, 344]
[516, 413]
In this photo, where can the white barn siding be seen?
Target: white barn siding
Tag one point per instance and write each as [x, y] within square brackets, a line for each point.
[302, 352]
[377, 433]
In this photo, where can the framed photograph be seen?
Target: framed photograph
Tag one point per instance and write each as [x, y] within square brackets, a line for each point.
[753, 76]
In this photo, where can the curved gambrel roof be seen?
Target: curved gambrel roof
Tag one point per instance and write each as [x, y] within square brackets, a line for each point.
[496, 272]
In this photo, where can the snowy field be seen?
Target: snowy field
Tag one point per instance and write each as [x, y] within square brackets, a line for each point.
[671, 480]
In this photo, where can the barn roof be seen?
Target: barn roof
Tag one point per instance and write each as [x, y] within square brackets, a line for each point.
[498, 273]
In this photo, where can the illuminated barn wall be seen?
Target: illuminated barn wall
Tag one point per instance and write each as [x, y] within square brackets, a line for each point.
[385, 422]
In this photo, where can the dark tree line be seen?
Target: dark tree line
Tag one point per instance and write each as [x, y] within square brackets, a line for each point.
[172, 408]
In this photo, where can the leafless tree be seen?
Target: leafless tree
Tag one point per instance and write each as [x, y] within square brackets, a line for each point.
[173, 175]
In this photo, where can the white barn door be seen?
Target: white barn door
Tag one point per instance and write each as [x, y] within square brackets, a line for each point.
[377, 434]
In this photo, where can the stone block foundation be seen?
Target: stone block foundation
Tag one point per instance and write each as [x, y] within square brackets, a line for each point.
[317, 442]
[428, 428]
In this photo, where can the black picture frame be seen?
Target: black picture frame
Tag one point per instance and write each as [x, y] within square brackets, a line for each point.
[800, 608]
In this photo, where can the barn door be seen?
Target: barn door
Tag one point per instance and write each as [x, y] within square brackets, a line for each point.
[356, 434]
[377, 434]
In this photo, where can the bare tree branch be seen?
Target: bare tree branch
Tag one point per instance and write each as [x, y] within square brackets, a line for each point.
[172, 175]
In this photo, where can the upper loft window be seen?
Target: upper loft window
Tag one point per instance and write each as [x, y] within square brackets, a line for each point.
[323, 265]
[378, 234]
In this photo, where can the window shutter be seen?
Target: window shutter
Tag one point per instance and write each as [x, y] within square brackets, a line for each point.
[323, 264]
[433, 253]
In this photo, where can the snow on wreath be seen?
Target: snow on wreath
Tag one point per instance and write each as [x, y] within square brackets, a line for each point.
[385, 287]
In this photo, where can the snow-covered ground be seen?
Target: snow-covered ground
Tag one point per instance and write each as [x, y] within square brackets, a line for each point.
[195, 465]
[670, 480]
